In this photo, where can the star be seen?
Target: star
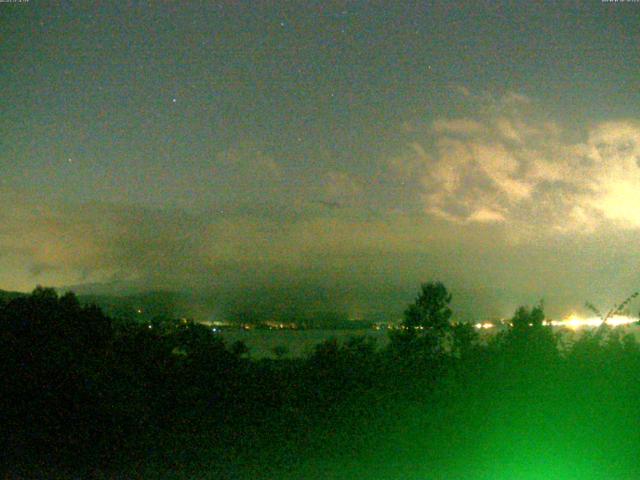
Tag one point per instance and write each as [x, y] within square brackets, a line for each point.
[174, 100]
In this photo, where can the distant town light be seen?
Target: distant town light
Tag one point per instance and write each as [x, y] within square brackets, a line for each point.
[574, 322]
[484, 326]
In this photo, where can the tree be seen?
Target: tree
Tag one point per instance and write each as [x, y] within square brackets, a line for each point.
[430, 311]
[523, 319]
[55, 357]
[529, 336]
[463, 339]
[426, 325]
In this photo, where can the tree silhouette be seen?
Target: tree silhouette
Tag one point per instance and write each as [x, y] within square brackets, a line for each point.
[426, 327]
[529, 336]
[463, 338]
[430, 310]
[524, 319]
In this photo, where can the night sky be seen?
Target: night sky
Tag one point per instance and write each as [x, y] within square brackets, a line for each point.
[329, 156]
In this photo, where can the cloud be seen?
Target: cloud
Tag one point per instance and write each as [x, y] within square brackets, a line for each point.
[486, 215]
[461, 126]
[613, 154]
[238, 262]
[510, 165]
[335, 260]
[504, 205]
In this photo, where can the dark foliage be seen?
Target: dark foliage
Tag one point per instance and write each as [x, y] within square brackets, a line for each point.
[91, 396]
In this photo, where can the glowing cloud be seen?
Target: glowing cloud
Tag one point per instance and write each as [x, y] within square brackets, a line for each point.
[506, 165]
